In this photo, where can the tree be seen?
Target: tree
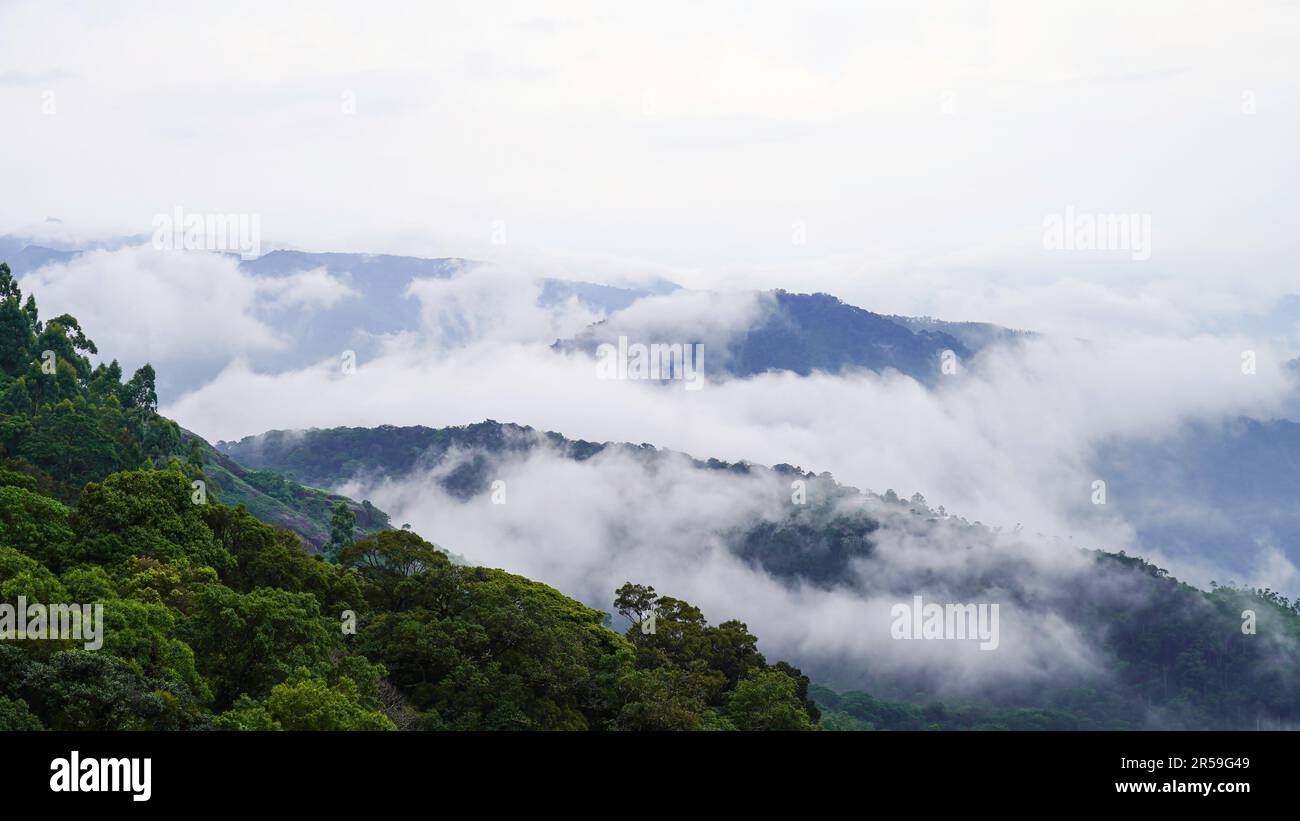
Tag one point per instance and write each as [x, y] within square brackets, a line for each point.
[84, 690]
[767, 701]
[64, 337]
[803, 683]
[8, 286]
[664, 699]
[343, 525]
[306, 702]
[246, 643]
[34, 524]
[21, 575]
[15, 715]
[387, 562]
[144, 513]
[16, 337]
[476, 648]
[141, 392]
[689, 673]
[266, 556]
[635, 602]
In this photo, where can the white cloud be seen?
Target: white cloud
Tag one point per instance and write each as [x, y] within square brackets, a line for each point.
[1007, 441]
[140, 304]
[493, 303]
[587, 527]
[53, 232]
[303, 289]
[176, 307]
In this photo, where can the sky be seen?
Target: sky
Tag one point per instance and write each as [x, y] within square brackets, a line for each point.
[706, 137]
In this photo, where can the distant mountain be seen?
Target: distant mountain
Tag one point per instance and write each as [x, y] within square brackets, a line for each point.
[377, 268]
[382, 306]
[820, 332]
[974, 335]
[25, 251]
[803, 333]
[379, 307]
[1223, 491]
[607, 298]
[31, 257]
[381, 280]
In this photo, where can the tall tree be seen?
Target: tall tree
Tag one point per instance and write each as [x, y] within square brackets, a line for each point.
[141, 392]
[343, 526]
[16, 335]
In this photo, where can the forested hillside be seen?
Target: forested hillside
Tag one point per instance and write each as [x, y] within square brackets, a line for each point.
[1167, 654]
[64, 423]
[277, 500]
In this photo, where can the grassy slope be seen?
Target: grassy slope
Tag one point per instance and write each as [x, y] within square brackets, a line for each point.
[276, 500]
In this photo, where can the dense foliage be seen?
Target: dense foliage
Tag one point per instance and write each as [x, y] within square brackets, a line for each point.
[704, 677]
[213, 619]
[278, 500]
[61, 422]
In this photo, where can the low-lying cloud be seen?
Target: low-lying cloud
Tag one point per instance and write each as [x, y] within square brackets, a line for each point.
[1008, 440]
[588, 526]
[141, 304]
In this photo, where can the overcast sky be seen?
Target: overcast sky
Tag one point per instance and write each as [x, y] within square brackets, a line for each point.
[691, 135]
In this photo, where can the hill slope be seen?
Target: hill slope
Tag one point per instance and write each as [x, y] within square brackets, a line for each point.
[1096, 639]
[801, 333]
[279, 501]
